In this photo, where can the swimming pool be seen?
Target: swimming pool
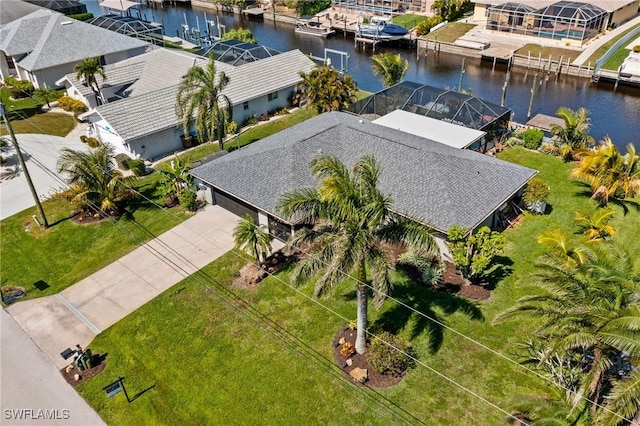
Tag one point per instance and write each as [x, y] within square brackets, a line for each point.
[562, 34]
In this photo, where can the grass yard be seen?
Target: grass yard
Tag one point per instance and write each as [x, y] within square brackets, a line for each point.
[46, 262]
[205, 363]
[536, 51]
[615, 60]
[599, 53]
[450, 32]
[408, 20]
[50, 123]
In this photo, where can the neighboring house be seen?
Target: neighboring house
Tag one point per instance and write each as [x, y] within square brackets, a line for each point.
[568, 22]
[140, 117]
[43, 46]
[66, 7]
[438, 184]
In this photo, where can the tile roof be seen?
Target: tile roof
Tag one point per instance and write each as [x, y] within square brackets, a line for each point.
[117, 75]
[51, 39]
[438, 184]
[138, 114]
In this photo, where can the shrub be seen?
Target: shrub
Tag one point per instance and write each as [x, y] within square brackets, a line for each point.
[425, 26]
[388, 355]
[347, 349]
[92, 142]
[264, 117]
[282, 111]
[532, 138]
[81, 16]
[19, 88]
[78, 107]
[137, 166]
[123, 161]
[187, 200]
[83, 138]
[636, 48]
[67, 103]
[232, 128]
[252, 121]
[536, 191]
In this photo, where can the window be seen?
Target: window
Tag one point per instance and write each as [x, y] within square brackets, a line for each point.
[272, 96]
[245, 106]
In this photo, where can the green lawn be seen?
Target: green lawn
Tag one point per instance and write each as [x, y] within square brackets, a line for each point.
[408, 20]
[615, 60]
[50, 123]
[556, 52]
[450, 32]
[46, 262]
[206, 363]
[605, 47]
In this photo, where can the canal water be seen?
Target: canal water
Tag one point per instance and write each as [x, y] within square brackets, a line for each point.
[613, 112]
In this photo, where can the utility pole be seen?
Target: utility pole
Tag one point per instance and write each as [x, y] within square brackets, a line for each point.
[3, 112]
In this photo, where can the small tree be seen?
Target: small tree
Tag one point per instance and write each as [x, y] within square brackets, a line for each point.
[325, 89]
[45, 94]
[252, 238]
[473, 253]
[176, 179]
[532, 138]
[242, 34]
[389, 67]
[535, 195]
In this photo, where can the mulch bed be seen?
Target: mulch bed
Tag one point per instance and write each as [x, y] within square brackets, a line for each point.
[88, 217]
[453, 282]
[84, 375]
[375, 379]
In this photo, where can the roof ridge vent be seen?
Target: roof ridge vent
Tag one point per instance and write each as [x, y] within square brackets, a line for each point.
[66, 22]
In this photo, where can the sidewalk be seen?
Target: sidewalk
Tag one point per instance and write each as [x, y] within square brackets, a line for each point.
[596, 44]
[77, 314]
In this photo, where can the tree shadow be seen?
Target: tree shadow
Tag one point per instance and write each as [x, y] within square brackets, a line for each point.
[429, 302]
[145, 199]
[502, 268]
[625, 205]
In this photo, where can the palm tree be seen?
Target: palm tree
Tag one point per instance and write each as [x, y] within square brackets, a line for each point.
[570, 255]
[573, 136]
[200, 94]
[595, 226]
[391, 68]
[87, 70]
[94, 179]
[325, 89]
[609, 173]
[353, 225]
[45, 94]
[578, 306]
[252, 238]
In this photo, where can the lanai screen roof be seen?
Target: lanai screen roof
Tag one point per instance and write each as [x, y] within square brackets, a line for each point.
[572, 10]
[130, 27]
[236, 52]
[430, 128]
[442, 104]
[513, 7]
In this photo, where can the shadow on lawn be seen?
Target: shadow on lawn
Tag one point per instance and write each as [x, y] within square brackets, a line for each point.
[429, 302]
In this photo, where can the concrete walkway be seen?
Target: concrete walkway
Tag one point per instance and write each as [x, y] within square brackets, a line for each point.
[31, 384]
[596, 44]
[76, 315]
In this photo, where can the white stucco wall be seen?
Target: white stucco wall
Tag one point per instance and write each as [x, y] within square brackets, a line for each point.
[161, 143]
[261, 105]
[263, 219]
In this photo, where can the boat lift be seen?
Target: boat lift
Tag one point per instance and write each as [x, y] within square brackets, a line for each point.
[337, 54]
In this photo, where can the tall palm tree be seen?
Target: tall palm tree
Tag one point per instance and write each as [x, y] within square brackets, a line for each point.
[252, 238]
[391, 68]
[353, 223]
[200, 94]
[88, 69]
[578, 304]
[609, 173]
[94, 179]
[573, 136]
[325, 89]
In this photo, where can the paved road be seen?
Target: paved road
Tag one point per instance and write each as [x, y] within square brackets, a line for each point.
[32, 384]
[41, 154]
[76, 315]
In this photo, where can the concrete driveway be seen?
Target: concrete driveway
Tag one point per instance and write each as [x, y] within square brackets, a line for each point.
[76, 315]
[41, 154]
[32, 387]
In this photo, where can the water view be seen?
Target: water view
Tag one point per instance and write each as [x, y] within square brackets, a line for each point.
[614, 113]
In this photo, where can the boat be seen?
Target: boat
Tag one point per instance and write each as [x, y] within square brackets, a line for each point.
[310, 25]
[381, 29]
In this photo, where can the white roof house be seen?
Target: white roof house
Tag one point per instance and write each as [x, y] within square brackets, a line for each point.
[140, 117]
[429, 128]
[42, 46]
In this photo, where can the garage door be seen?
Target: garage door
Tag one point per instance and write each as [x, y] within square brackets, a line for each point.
[232, 204]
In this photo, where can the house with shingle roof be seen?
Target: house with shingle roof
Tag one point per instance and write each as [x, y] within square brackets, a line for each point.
[42, 46]
[139, 117]
[438, 184]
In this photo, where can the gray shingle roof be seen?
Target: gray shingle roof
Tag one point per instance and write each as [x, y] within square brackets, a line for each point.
[138, 115]
[10, 10]
[53, 39]
[439, 184]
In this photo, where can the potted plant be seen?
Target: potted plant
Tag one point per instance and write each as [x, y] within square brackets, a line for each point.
[535, 195]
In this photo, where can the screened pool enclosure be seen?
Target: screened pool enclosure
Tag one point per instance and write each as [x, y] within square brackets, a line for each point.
[563, 20]
[236, 52]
